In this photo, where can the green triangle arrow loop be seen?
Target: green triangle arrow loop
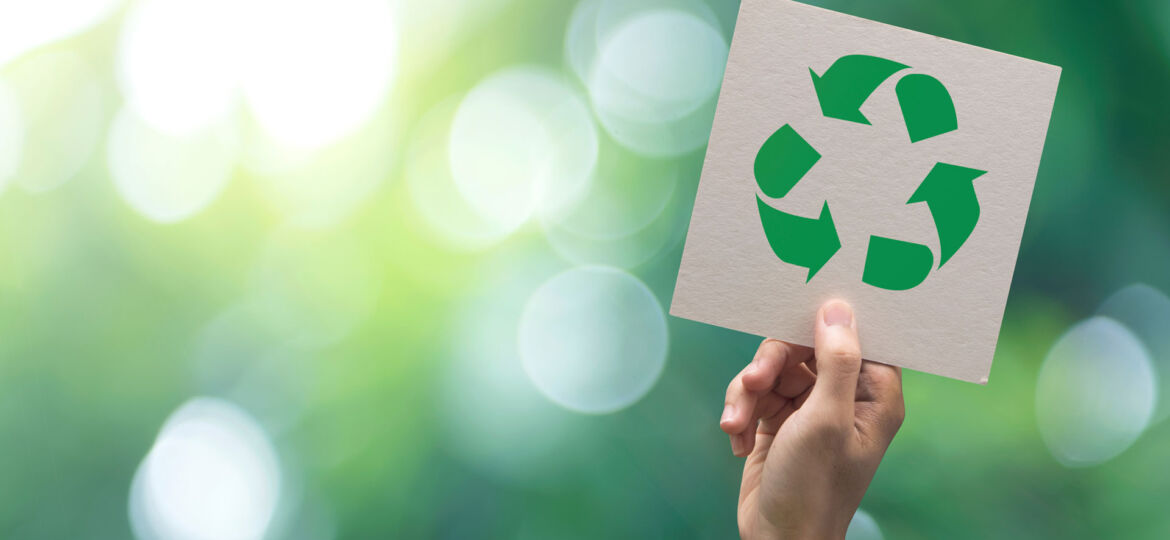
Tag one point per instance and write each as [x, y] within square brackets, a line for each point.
[845, 86]
[801, 241]
[896, 265]
[948, 190]
[950, 194]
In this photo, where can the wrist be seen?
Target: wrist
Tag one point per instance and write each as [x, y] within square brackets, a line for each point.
[807, 527]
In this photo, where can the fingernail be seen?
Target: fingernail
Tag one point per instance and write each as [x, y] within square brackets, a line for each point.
[728, 412]
[736, 445]
[838, 313]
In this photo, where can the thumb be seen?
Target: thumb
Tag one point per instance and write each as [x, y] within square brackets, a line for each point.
[838, 357]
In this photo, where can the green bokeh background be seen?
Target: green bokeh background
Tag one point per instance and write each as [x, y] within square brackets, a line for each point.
[101, 311]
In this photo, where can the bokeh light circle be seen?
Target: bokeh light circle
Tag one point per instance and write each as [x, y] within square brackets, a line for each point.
[177, 63]
[653, 71]
[658, 66]
[318, 70]
[11, 135]
[211, 474]
[630, 213]
[863, 527]
[169, 178]
[62, 106]
[522, 143]
[1145, 310]
[593, 339]
[494, 419]
[1095, 393]
[432, 188]
[227, 347]
[238, 357]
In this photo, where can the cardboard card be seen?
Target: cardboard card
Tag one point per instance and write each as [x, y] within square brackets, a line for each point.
[852, 159]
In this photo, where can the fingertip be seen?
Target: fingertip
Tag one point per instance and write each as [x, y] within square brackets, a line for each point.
[749, 442]
[727, 420]
[742, 443]
[737, 445]
[838, 354]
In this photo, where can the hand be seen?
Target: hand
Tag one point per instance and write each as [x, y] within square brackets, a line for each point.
[814, 424]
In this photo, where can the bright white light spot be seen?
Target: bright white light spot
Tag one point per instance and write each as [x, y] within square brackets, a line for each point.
[315, 70]
[61, 102]
[177, 62]
[11, 135]
[495, 419]
[1146, 311]
[168, 178]
[313, 289]
[522, 143]
[432, 188]
[1095, 393]
[211, 474]
[25, 26]
[593, 339]
[863, 527]
[319, 188]
[653, 71]
[311, 71]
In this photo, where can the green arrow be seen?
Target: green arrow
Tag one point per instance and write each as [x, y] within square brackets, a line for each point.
[949, 192]
[926, 107]
[896, 265]
[781, 162]
[849, 82]
[799, 240]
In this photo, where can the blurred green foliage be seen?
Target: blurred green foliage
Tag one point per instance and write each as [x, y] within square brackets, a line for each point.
[101, 311]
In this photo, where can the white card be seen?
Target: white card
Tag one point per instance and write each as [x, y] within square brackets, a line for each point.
[916, 154]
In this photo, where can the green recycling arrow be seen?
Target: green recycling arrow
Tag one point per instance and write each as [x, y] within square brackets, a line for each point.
[799, 240]
[896, 265]
[950, 194]
[847, 83]
[926, 107]
[782, 161]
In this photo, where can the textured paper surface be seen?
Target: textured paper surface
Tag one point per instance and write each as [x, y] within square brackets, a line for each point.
[949, 324]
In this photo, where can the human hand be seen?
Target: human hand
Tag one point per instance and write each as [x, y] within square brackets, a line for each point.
[814, 424]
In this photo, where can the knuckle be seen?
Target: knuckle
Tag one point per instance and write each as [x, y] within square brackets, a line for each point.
[846, 351]
[734, 390]
[845, 356]
[769, 352]
[771, 346]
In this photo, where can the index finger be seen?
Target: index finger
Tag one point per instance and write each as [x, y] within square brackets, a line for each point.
[771, 359]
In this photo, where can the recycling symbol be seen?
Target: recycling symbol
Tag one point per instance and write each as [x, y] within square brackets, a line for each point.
[948, 190]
